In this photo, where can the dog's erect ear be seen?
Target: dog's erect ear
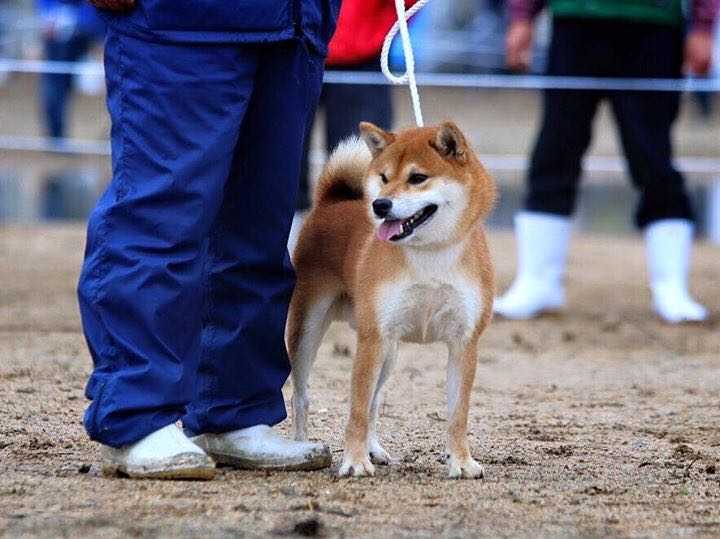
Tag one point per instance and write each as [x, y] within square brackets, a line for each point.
[450, 142]
[375, 138]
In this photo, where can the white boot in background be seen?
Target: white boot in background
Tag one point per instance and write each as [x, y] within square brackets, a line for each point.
[668, 243]
[260, 447]
[297, 224]
[165, 454]
[542, 241]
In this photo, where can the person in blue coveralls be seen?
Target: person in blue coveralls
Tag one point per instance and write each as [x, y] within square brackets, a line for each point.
[186, 281]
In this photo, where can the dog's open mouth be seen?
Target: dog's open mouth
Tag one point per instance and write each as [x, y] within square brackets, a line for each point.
[397, 229]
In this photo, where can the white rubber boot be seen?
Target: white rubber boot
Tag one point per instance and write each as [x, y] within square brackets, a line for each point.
[542, 241]
[668, 243]
[260, 447]
[165, 454]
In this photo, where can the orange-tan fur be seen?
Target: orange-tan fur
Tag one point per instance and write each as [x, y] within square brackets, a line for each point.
[436, 285]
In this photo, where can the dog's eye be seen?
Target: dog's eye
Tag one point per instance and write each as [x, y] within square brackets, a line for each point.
[383, 178]
[417, 178]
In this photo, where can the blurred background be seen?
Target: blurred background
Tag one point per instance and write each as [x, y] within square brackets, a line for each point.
[54, 154]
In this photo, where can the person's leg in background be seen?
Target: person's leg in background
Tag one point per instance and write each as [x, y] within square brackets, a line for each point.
[55, 88]
[664, 211]
[304, 197]
[345, 106]
[249, 278]
[174, 132]
[543, 228]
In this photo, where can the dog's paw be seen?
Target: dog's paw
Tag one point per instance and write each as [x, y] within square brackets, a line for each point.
[378, 455]
[468, 468]
[356, 467]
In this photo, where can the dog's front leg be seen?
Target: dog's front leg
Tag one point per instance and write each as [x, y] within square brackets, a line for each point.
[365, 373]
[378, 455]
[462, 362]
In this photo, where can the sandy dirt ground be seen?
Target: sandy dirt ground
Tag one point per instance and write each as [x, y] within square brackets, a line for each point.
[598, 422]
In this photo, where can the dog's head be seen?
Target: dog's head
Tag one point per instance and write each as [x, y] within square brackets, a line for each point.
[425, 185]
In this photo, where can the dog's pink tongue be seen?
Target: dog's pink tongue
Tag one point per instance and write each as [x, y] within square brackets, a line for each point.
[388, 229]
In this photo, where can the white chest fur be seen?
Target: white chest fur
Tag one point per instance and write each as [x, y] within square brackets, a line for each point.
[433, 300]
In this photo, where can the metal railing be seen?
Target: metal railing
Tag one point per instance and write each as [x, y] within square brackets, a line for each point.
[447, 80]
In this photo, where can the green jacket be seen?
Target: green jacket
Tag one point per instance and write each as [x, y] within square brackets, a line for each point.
[654, 11]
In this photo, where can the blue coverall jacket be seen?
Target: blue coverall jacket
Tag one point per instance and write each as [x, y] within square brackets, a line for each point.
[231, 21]
[186, 281]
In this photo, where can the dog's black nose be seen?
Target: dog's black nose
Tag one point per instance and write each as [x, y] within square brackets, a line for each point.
[382, 206]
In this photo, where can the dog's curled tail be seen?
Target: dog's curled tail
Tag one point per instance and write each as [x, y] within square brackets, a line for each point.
[344, 173]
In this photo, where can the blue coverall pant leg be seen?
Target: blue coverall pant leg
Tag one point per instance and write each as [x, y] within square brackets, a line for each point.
[186, 282]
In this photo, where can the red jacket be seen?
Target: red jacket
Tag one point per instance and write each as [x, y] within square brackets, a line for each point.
[361, 30]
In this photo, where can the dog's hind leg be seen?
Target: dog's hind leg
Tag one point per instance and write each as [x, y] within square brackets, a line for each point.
[378, 455]
[308, 321]
[462, 363]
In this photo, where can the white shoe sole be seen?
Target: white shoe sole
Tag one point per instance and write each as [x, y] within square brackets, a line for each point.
[683, 321]
[185, 468]
[316, 462]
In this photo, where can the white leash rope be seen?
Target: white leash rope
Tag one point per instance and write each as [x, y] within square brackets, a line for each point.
[409, 75]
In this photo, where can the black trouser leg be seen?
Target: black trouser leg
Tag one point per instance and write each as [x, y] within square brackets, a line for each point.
[303, 201]
[556, 161]
[348, 105]
[644, 121]
[566, 128]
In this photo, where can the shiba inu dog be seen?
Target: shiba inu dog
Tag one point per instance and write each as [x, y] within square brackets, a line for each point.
[395, 245]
